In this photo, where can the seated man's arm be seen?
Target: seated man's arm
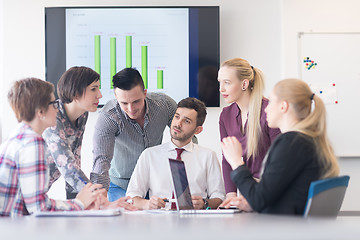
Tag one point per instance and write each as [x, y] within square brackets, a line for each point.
[153, 203]
[199, 202]
[214, 202]
[139, 183]
[215, 183]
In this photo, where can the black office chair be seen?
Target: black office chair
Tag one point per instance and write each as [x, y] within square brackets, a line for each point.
[326, 196]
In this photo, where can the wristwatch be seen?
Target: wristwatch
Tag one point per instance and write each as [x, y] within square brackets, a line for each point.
[206, 203]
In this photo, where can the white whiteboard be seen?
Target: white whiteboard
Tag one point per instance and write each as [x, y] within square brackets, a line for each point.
[335, 77]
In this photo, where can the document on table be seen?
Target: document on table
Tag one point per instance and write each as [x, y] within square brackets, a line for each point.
[154, 211]
[84, 213]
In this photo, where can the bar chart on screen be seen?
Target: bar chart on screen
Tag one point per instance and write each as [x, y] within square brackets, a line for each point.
[154, 42]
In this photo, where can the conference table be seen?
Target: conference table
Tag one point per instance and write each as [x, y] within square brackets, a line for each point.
[173, 226]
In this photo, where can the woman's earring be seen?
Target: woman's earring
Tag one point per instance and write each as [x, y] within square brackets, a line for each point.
[42, 118]
[243, 88]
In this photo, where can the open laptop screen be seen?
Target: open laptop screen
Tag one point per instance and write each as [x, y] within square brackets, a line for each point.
[182, 192]
[181, 185]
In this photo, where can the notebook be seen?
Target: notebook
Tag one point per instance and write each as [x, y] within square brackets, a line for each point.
[83, 213]
[182, 192]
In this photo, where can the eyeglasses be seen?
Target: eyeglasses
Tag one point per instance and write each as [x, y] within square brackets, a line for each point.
[55, 104]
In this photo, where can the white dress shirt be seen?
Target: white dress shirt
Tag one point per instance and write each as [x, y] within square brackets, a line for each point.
[152, 172]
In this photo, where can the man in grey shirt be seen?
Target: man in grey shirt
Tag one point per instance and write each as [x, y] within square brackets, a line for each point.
[127, 125]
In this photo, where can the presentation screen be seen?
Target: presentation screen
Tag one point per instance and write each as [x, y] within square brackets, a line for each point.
[175, 49]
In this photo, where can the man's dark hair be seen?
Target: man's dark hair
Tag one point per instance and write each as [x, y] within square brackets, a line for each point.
[127, 79]
[74, 82]
[197, 105]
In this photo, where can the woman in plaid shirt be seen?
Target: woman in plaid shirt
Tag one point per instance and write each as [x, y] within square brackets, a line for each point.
[24, 173]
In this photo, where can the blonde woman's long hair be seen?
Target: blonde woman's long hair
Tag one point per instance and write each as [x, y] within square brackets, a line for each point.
[311, 123]
[256, 87]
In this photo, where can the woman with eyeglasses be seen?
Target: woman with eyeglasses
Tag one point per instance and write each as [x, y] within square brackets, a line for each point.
[24, 172]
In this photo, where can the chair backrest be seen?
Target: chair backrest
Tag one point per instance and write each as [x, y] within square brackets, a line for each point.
[326, 196]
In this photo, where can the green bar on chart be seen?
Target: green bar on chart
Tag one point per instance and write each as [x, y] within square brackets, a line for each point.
[112, 59]
[160, 79]
[144, 65]
[128, 51]
[97, 66]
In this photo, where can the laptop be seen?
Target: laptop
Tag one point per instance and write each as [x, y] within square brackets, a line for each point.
[182, 192]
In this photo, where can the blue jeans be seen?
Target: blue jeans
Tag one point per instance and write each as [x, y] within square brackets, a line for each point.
[115, 192]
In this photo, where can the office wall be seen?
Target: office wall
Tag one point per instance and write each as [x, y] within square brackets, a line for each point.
[243, 34]
[322, 16]
[262, 31]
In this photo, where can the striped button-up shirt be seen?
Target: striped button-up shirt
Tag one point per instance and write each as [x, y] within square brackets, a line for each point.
[119, 140]
[24, 176]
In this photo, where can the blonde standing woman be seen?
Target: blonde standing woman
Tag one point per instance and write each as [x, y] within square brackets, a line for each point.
[242, 85]
[300, 155]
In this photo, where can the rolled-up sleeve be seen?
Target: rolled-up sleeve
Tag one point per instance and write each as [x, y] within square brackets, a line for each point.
[33, 176]
[215, 181]
[103, 149]
[139, 181]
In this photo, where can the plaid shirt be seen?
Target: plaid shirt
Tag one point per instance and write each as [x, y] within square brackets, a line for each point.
[24, 176]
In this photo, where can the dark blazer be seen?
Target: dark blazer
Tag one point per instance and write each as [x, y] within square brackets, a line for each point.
[290, 167]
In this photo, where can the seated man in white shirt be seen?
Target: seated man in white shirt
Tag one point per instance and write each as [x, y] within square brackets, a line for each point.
[152, 172]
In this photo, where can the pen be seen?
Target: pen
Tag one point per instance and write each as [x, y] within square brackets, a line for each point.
[82, 180]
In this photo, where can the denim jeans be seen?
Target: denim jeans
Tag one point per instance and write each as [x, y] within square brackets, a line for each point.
[115, 192]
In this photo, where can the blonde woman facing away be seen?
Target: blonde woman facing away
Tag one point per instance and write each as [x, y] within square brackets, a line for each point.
[242, 85]
[24, 172]
[300, 155]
